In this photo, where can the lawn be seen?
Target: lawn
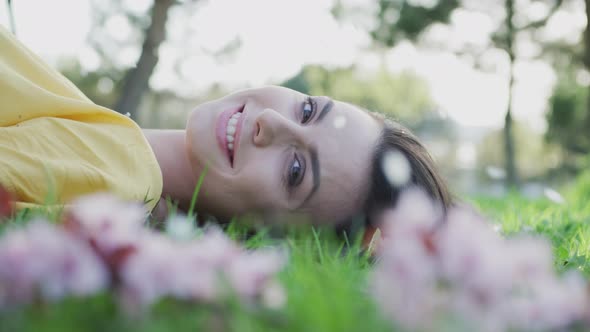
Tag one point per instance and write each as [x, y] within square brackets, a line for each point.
[325, 280]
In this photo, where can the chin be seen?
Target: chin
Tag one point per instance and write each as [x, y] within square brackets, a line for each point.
[215, 202]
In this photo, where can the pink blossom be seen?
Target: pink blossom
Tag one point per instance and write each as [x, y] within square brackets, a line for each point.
[196, 270]
[104, 242]
[164, 268]
[273, 295]
[406, 264]
[106, 219]
[151, 271]
[462, 268]
[250, 272]
[111, 226]
[6, 203]
[42, 260]
[473, 255]
[415, 214]
[213, 249]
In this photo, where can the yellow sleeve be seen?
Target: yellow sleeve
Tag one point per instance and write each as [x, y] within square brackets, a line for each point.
[55, 142]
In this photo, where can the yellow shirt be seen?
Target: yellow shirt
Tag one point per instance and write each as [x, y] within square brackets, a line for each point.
[55, 143]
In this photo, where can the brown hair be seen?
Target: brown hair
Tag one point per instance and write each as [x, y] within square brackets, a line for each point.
[381, 193]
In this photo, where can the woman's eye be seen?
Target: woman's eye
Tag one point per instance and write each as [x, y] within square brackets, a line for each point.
[309, 107]
[295, 172]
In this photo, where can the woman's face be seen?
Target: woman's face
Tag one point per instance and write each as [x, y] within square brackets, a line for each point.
[275, 150]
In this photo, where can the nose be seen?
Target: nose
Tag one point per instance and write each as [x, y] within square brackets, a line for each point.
[270, 126]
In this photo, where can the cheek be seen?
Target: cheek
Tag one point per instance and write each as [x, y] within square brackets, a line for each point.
[278, 99]
[220, 196]
[257, 185]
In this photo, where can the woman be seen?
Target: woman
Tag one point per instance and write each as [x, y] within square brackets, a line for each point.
[275, 150]
[270, 150]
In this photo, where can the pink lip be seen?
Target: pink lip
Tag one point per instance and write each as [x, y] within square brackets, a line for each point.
[221, 131]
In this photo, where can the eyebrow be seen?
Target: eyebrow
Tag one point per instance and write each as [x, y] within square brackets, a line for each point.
[327, 108]
[315, 172]
[313, 152]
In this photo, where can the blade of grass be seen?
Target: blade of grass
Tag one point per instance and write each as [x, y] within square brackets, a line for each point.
[318, 244]
[196, 193]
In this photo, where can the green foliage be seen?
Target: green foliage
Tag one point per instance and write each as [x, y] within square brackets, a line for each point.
[101, 86]
[325, 284]
[566, 226]
[580, 190]
[535, 154]
[402, 19]
[567, 115]
[403, 96]
[326, 281]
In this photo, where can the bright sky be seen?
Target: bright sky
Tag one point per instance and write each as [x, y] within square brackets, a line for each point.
[279, 40]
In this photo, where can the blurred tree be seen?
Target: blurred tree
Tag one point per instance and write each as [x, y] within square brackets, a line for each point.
[136, 79]
[404, 19]
[535, 160]
[567, 116]
[408, 19]
[100, 86]
[116, 34]
[504, 38]
[404, 96]
[126, 36]
[11, 17]
[587, 62]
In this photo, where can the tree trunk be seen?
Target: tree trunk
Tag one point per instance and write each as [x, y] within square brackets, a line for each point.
[136, 79]
[587, 65]
[11, 17]
[509, 146]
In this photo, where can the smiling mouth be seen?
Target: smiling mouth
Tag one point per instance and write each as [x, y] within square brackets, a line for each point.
[232, 133]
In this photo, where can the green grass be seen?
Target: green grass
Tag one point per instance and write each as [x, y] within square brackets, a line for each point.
[566, 225]
[325, 280]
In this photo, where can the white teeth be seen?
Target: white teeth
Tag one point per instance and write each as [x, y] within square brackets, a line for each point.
[231, 130]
